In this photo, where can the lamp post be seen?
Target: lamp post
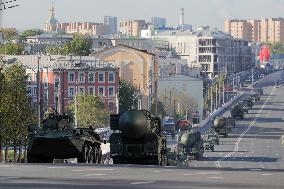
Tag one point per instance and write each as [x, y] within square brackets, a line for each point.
[75, 111]
[38, 92]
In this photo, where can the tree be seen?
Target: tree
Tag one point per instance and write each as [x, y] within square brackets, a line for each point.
[28, 33]
[9, 34]
[127, 95]
[79, 46]
[1, 116]
[91, 111]
[11, 49]
[15, 107]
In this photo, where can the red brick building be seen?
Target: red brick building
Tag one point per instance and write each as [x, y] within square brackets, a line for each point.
[61, 76]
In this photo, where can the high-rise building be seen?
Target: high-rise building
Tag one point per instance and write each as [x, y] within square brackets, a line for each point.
[111, 24]
[268, 30]
[181, 18]
[132, 27]
[272, 30]
[158, 22]
[240, 29]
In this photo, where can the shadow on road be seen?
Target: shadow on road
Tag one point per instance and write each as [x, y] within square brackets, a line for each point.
[250, 159]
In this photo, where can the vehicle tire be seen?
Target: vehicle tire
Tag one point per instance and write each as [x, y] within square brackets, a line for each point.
[90, 155]
[83, 157]
[212, 149]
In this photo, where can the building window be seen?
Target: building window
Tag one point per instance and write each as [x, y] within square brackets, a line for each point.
[56, 83]
[45, 97]
[45, 82]
[101, 91]
[81, 90]
[35, 91]
[91, 91]
[110, 106]
[101, 77]
[111, 77]
[71, 91]
[71, 77]
[81, 77]
[29, 91]
[91, 77]
[111, 91]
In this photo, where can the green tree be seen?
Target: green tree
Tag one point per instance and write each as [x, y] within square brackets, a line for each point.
[28, 33]
[1, 113]
[15, 106]
[9, 34]
[91, 111]
[79, 46]
[11, 49]
[127, 95]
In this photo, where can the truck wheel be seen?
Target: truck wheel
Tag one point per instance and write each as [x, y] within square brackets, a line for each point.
[90, 155]
[212, 149]
[83, 157]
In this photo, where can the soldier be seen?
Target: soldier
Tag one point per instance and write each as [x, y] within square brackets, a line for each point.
[50, 121]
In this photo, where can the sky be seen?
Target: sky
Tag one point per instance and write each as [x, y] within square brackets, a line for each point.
[33, 13]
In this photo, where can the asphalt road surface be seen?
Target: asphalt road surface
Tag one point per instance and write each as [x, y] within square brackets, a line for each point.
[251, 157]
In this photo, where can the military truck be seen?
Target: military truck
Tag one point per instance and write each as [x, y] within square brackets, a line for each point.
[137, 139]
[210, 139]
[221, 125]
[190, 146]
[243, 104]
[237, 111]
[231, 122]
[259, 91]
[256, 97]
[59, 139]
[249, 101]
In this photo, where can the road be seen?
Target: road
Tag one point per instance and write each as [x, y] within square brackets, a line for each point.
[251, 157]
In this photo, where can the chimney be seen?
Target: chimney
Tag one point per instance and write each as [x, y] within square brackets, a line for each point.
[181, 19]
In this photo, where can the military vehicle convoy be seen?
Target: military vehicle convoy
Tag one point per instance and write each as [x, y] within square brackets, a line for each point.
[58, 139]
[237, 111]
[190, 146]
[222, 125]
[137, 139]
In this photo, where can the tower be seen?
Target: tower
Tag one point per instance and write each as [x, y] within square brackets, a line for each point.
[181, 19]
[51, 23]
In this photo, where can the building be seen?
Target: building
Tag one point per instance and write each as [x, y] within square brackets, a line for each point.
[61, 75]
[138, 67]
[51, 23]
[132, 27]
[91, 28]
[110, 23]
[182, 94]
[239, 29]
[272, 30]
[267, 30]
[158, 22]
[211, 51]
[277, 61]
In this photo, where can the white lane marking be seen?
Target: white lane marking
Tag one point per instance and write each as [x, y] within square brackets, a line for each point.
[208, 173]
[159, 171]
[188, 174]
[86, 170]
[146, 182]
[88, 175]
[266, 174]
[215, 177]
[218, 163]
[6, 166]
[255, 169]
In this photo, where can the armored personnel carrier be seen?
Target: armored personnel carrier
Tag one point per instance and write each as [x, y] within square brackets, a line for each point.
[244, 105]
[59, 139]
[137, 139]
[190, 146]
[221, 125]
[237, 111]
[249, 101]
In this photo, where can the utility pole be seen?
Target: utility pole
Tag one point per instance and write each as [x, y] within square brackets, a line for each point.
[216, 95]
[76, 118]
[38, 92]
[219, 90]
[211, 98]
[251, 79]
[224, 91]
